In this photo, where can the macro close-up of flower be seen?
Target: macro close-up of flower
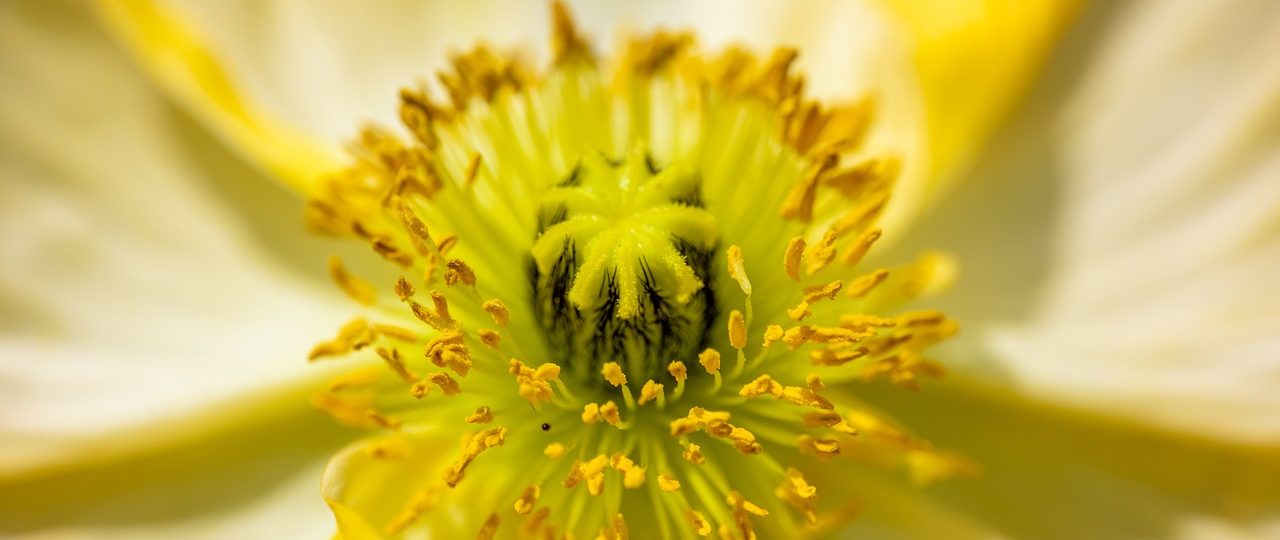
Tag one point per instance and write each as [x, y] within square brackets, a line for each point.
[569, 269]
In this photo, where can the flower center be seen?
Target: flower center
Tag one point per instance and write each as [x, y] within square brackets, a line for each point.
[622, 260]
[617, 376]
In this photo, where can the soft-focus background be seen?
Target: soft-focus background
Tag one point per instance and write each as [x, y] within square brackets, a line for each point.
[1107, 173]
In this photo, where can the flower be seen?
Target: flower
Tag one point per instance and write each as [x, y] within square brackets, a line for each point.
[623, 290]
[216, 427]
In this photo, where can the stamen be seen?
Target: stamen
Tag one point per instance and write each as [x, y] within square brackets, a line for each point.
[357, 289]
[737, 271]
[863, 284]
[477, 443]
[353, 336]
[527, 499]
[823, 449]
[496, 309]
[458, 272]
[396, 363]
[403, 289]
[554, 450]
[668, 484]
[791, 260]
[822, 253]
[490, 527]
[651, 391]
[860, 247]
[421, 502]
[483, 415]
[797, 492]
[700, 525]
[693, 454]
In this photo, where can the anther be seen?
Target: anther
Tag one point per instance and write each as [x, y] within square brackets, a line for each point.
[355, 288]
[791, 260]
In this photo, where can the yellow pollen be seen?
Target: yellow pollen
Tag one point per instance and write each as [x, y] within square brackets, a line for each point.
[490, 528]
[737, 330]
[667, 483]
[861, 246]
[473, 170]
[472, 446]
[590, 413]
[797, 336]
[762, 385]
[353, 336]
[772, 334]
[395, 332]
[651, 391]
[678, 370]
[393, 360]
[617, 530]
[791, 260]
[613, 373]
[496, 309]
[442, 305]
[387, 422]
[403, 289]
[421, 502]
[554, 450]
[446, 383]
[527, 499]
[458, 272]
[828, 292]
[822, 253]
[490, 338]
[355, 288]
[823, 449]
[736, 500]
[799, 312]
[483, 415]
[798, 493]
[435, 320]
[633, 476]
[864, 283]
[609, 411]
[737, 270]
[710, 360]
[693, 454]
[448, 350]
[533, 383]
[700, 525]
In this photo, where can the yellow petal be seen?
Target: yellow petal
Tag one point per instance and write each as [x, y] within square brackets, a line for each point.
[184, 65]
[975, 59]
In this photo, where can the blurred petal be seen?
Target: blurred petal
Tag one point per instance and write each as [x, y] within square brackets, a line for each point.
[1049, 474]
[976, 58]
[258, 480]
[1158, 305]
[197, 79]
[139, 307]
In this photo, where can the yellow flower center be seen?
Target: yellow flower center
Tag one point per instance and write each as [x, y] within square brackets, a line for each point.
[630, 301]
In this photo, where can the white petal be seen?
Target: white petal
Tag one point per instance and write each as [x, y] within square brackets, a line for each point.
[1132, 239]
[140, 306]
[1047, 473]
[257, 481]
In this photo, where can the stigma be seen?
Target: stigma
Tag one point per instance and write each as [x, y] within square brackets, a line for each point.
[621, 262]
